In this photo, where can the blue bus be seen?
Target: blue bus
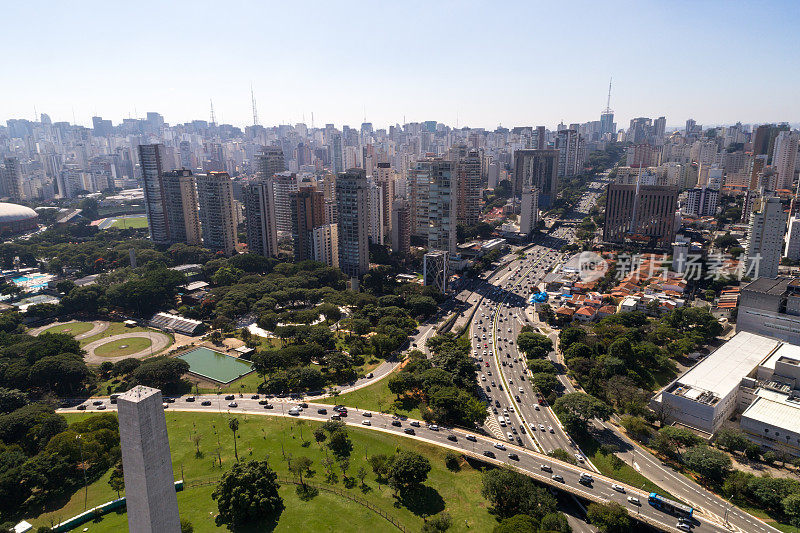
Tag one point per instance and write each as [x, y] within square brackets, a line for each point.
[669, 506]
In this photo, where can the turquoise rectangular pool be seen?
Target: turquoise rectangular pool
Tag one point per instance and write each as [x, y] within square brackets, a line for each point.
[216, 366]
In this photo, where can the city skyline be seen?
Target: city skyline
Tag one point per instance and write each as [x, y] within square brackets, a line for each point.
[523, 64]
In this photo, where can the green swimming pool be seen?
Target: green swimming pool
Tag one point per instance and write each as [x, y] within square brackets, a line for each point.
[215, 365]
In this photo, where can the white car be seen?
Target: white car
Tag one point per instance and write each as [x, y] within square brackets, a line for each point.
[550, 429]
[510, 436]
[500, 446]
[541, 426]
[546, 468]
[618, 488]
[520, 390]
[533, 427]
[579, 457]
[483, 378]
[433, 427]
[366, 423]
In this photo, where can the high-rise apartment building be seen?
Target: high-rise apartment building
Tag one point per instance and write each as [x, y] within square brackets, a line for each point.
[325, 241]
[308, 213]
[701, 201]
[434, 203]
[217, 215]
[352, 201]
[259, 207]
[180, 207]
[539, 169]
[571, 152]
[792, 250]
[150, 497]
[337, 153]
[385, 179]
[401, 226]
[151, 160]
[468, 185]
[659, 129]
[270, 161]
[529, 210]
[643, 215]
[375, 211]
[284, 184]
[765, 238]
[784, 158]
[11, 181]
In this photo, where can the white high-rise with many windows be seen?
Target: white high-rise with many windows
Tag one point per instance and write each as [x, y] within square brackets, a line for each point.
[765, 238]
[784, 158]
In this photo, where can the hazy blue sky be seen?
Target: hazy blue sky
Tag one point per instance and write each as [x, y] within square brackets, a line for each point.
[486, 62]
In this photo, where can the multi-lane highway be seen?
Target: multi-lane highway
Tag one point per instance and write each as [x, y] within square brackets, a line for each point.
[508, 312]
[551, 472]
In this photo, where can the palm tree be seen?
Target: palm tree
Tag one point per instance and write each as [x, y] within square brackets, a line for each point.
[233, 423]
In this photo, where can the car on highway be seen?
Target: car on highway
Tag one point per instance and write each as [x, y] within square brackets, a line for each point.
[618, 488]
[229, 397]
[205, 402]
[500, 446]
[471, 438]
[190, 398]
[433, 427]
[396, 423]
[233, 404]
[322, 411]
[489, 453]
[102, 407]
[414, 423]
[366, 413]
[510, 436]
[410, 431]
[255, 397]
[541, 426]
[513, 456]
[268, 406]
[557, 477]
[550, 429]
[366, 423]
[546, 468]
[97, 402]
[683, 526]
[452, 438]
[81, 407]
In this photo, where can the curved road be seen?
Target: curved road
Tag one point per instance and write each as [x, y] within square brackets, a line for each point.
[98, 327]
[158, 341]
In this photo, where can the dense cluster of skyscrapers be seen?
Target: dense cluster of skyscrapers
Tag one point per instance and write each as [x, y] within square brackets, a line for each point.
[327, 193]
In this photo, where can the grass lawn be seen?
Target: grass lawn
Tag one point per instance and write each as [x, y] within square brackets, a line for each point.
[245, 384]
[70, 328]
[114, 328]
[375, 397]
[123, 347]
[339, 513]
[265, 437]
[130, 222]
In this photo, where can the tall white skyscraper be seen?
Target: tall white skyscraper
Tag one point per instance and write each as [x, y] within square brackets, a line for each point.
[784, 158]
[765, 238]
[284, 184]
[152, 503]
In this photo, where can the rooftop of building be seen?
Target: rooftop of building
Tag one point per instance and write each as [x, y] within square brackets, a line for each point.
[775, 409]
[722, 371]
[768, 285]
[785, 351]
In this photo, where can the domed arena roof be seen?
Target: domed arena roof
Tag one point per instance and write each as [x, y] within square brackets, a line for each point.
[15, 213]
